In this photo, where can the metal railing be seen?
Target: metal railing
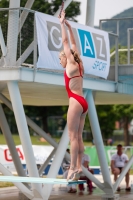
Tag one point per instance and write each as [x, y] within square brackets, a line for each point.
[117, 51]
[27, 39]
[128, 44]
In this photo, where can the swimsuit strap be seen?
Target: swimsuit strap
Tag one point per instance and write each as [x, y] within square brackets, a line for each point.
[79, 72]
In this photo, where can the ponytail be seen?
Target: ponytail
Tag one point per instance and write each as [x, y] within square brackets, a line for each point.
[76, 56]
[77, 59]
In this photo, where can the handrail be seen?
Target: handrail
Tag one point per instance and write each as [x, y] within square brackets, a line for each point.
[116, 35]
[115, 19]
[120, 50]
[19, 8]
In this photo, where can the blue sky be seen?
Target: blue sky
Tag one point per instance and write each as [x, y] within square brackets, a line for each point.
[105, 9]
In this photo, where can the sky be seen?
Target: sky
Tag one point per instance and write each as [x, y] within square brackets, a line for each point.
[104, 9]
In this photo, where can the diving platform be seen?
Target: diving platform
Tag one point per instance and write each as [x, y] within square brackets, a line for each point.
[23, 83]
[46, 87]
[39, 180]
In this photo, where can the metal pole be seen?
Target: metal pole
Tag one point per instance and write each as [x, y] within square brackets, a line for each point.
[59, 155]
[25, 13]
[3, 46]
[117, 55]
[12, 36]
[20, 186]
[35, 49]
[93, 179]
[90, 12]
[128, 46]
[99, 142]
[9, 139]
[2, 43]
[100, 25]
[116, 61]
[41, 169]
[117, 27]
[24, 134]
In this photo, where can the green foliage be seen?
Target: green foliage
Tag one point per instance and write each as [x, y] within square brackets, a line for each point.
[51, 8]
[45, 6]
[4, 3]
[10, 118]
[106, 116]
[46, 117]
[123, 111]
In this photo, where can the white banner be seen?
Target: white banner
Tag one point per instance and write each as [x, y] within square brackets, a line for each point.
[93, 45]
[41, 153]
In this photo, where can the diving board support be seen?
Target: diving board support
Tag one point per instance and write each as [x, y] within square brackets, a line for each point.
[38, 130]
[25, 13]
[44, 165]
[35, 50]
[19, 185]
[25, 54]
[10, 142]
[3, 46]
[99, 143]
[92, 178]
[2, 43]
[12, 36]
[59, 155]
[24, 134]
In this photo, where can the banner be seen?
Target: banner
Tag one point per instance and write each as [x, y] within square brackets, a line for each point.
[93, 45]
[41, 153]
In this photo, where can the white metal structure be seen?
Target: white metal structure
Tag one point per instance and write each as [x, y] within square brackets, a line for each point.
[28, 86]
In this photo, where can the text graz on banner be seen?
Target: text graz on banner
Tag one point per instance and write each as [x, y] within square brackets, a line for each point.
[93, 45]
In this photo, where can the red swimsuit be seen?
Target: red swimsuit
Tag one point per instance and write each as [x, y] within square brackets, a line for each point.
[79, 98]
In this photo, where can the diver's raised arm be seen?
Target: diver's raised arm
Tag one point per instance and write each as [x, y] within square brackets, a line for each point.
[64, 36]
[72, 38]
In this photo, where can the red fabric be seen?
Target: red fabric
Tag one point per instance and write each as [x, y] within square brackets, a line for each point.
[79, 98]
[88, 181]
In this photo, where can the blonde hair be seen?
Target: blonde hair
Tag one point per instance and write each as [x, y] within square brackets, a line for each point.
[62, 53]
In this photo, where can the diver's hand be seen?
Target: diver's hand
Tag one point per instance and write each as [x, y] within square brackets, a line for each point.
[62, 18]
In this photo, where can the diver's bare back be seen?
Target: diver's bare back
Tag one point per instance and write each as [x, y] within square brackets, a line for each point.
[76, 83]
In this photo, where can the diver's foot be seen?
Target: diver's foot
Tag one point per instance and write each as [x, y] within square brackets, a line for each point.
[71, 174]
[76, 176]
[80, 171]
